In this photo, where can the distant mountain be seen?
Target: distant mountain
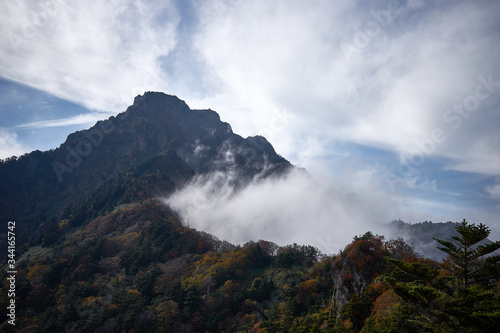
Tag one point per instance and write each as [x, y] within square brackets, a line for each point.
[421, 236]
[154, 147]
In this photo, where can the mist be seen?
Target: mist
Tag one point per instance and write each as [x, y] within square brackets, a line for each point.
[294, 208]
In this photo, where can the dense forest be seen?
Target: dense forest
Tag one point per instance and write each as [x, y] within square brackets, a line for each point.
[138, 269]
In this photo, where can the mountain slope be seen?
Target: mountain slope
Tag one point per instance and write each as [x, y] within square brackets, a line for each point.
[154, 147]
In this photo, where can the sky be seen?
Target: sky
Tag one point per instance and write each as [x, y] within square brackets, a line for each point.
[393, 107]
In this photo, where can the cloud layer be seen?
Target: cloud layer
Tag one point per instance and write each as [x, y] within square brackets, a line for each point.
[382, 76]
[294, 208]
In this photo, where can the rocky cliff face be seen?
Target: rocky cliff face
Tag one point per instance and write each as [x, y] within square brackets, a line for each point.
[152, 148]
[355, 267]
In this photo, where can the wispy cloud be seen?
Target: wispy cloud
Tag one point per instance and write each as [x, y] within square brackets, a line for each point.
[494, 189]
[392, 94]
[100, 55]
[81, 119]
[9, 145]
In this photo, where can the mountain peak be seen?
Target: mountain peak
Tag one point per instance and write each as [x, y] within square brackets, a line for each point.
[155, 98]
[158, 102]
[169, 110]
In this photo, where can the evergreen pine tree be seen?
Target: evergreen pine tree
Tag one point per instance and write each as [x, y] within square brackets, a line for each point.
[459, 296]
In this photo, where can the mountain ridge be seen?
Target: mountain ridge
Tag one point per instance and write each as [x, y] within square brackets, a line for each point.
[421, 236]
[158, 139]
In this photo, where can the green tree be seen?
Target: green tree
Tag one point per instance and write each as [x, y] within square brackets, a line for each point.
[459, 295]
[467, 258]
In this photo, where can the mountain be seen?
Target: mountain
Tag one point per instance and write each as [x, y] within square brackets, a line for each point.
[421, 236]
[96, 251]
[156, 146]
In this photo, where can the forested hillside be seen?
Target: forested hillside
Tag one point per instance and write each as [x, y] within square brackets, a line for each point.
[137, 269]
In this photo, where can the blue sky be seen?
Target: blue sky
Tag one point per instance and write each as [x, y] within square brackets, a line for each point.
[395, 102]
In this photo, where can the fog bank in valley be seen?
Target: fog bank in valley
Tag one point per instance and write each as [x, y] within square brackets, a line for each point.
[295, 208]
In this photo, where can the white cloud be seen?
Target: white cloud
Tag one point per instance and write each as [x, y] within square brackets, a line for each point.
[98, 54]
[494, 190]
[482, 152]
[393, 92]
[81, 119]
[295, 208]
[9, 145]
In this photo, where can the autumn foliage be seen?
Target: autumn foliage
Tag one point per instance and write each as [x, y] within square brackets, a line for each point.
[138, 269]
